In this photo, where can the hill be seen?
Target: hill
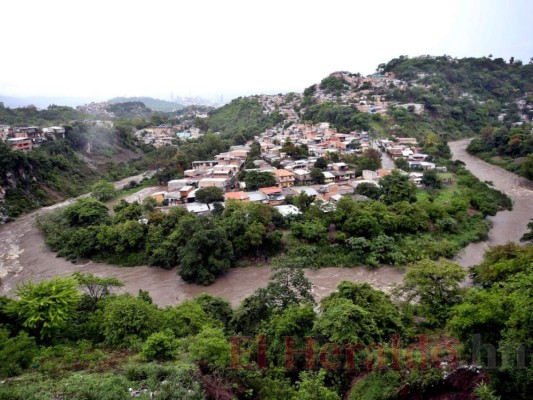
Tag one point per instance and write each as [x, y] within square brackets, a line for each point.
[150, 102]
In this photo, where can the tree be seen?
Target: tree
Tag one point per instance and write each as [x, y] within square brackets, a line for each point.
[369, 190]
[317, 175]
[431, 179]
[402, 164]
[210, 346]
[127, 320]
[435, 285]
[47, 306]
[103, 190]
[206, 254]
[186, 319]
[311, 386]
[85, 212]
[215, 307]
[397, 187]
[95, 287]
[209, 195]
[257, 179]
[160, 346]
[321, 163]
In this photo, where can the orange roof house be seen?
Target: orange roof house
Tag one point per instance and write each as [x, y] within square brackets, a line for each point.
[238, 196]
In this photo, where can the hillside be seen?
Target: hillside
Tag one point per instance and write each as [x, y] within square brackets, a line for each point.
[65, 167]
[28, 116]
[151, 103]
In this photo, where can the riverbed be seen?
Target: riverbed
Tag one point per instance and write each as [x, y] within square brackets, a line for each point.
[24, 256]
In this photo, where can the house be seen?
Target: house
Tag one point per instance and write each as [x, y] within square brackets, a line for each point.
[274, 194]
[203, 166]
[328, 177]
[222, 183]
[173, 198]
[22, 144]
[284, 178]
[237, 196]
[197, 208]
[302, 175]
[158, 196]
[257, 197]
[287, 210]
[307, 190]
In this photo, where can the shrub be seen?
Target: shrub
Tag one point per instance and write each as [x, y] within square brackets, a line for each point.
[16, 353]
[160, 346]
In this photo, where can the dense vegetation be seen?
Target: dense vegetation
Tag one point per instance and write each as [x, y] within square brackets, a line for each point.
[511, 148]
[151, 103]
[401, 226]
[460, 96]
[73, 337]
[31, 116]
[241, 120]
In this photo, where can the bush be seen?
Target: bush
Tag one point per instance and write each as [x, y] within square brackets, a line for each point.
[160, 346]
[128, 320]
[16, 353]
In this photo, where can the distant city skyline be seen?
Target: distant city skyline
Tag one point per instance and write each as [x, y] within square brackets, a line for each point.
[101, 49]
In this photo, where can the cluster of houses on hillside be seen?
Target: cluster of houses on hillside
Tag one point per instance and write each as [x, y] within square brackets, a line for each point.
[408, 149]
[166, 135]
[292, 176]
[26, 138]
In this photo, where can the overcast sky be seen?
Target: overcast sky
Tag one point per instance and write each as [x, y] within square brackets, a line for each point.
[222, 47]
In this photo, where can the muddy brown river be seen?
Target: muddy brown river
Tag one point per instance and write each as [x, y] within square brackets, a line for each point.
[24, 256]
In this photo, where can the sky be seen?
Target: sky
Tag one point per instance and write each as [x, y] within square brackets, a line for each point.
[101, 49]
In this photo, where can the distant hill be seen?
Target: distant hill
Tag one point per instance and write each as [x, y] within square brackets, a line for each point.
[44, 101]
[150, 102]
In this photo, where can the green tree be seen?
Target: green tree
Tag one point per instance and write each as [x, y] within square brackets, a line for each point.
[369, 190]
[431, 179]
[321, 163]
[160, 346]
[47, 306]
[397, 187]
[436, 287]
[257, 179]
[85, 212]
[216, 307]
[209, 195]
[206, 254]
[186, 319]
[96, 288]
[402, 164]
[103, 190]
[128, 320]
[210, 346]
[311, 386]
[317, 175]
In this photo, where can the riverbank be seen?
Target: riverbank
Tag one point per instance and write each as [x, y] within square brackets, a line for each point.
[24, 256]
[507, 226]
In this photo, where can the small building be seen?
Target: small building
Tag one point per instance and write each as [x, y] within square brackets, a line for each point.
[288, 210]
[274, 194]
[284, 178]
[237, 196]
[158, 196]
[22, 144]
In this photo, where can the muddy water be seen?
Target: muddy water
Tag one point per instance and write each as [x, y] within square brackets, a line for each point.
[507, 225]
[24, 256]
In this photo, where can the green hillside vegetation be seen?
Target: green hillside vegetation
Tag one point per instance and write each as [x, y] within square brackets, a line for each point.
[510, 148]
[241, 120]
[462, 95]
[31, 116]
[396, 229]
[151, 103]
[66, 167]
[73, 337]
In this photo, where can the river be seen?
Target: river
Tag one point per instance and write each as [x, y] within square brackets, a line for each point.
[24, 256]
